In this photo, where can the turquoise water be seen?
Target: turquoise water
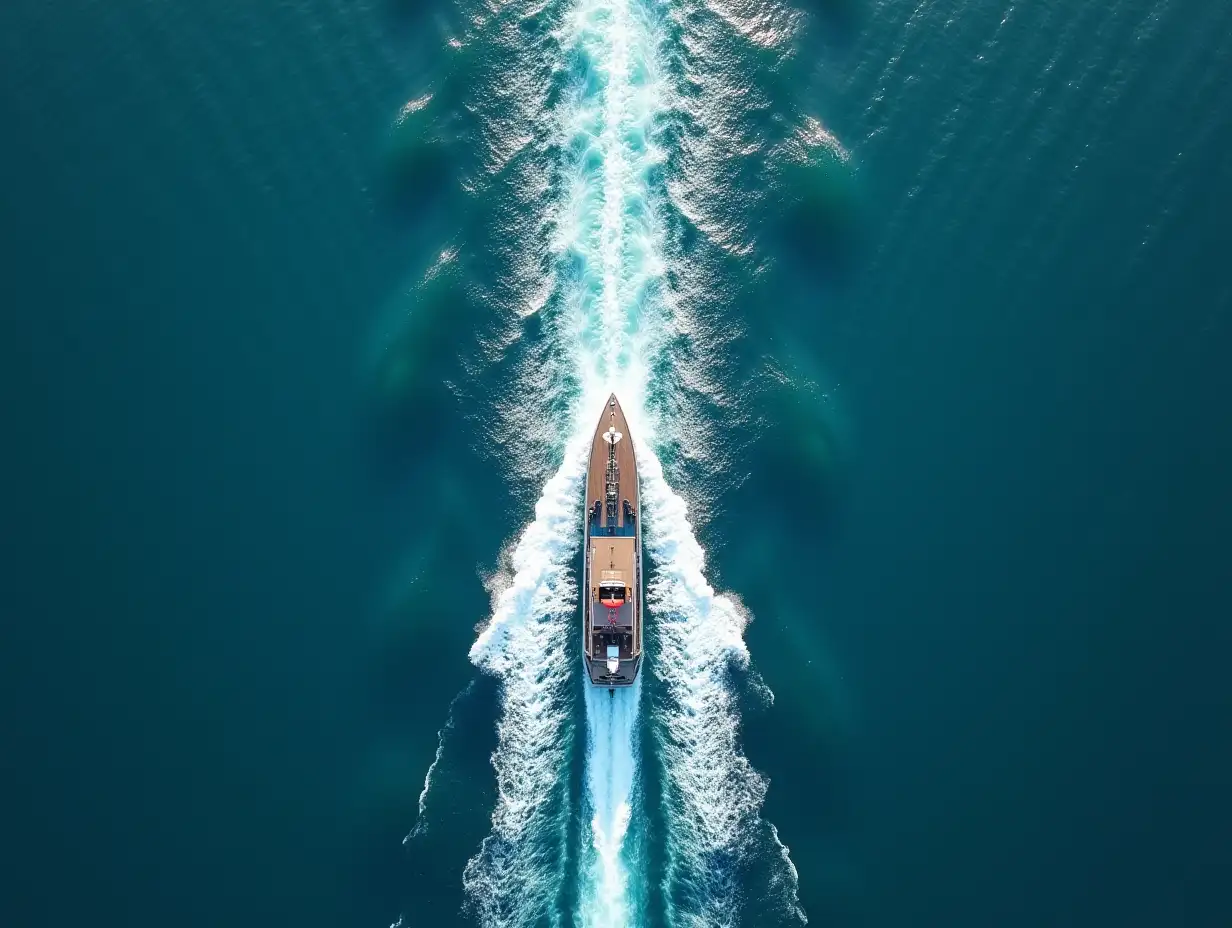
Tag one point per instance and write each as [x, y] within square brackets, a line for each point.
[919, 315]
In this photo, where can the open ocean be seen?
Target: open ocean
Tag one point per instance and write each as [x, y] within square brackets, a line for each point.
[922, 318]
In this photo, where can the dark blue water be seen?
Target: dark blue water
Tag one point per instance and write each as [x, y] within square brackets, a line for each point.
[947, 414]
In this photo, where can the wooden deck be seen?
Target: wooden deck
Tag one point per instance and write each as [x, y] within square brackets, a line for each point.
[618, 554]
[625, 460]
[617, 551]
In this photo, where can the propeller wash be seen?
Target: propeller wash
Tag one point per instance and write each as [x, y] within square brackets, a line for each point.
[612, 321]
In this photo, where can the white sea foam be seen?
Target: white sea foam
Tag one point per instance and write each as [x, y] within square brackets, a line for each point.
[514, 878]
[612, 317]
[608, 224]
[711, 794]
[602, 123]
[611, 781]
[421, 822]
[608, 228]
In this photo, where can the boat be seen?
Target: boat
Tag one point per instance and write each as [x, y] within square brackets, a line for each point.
[612, 546]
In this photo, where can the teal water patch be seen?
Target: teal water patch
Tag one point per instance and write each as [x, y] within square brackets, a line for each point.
[1034, 366]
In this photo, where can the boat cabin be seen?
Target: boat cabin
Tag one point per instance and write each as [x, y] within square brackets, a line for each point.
[612, 592]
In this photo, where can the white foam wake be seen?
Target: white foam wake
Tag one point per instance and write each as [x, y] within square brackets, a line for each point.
[711, 794]
[515, 878]
[421, 821]
[612, 317]
[608, 228]
[611, 780]
[605, 264]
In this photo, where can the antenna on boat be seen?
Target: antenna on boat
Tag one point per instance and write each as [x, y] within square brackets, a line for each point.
[612, 477]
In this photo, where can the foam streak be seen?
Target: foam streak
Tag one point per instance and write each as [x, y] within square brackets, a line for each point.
[421, 822]
[712, 795]
[613, 317]
[611, 774]
[515, 878]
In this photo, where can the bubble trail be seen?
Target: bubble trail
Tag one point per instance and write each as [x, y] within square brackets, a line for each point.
[611, 778]
[421, 823]
[516, 877]
[613, 322]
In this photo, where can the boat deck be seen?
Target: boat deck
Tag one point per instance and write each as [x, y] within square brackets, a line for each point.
[623, 640]
[612, 415]
[612, 551]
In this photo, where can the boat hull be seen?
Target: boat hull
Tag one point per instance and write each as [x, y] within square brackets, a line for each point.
[612, 556]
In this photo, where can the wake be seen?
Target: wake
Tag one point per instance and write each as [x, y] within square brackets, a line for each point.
[515, 878]
[712, 795]
[611, 775]
[611, 317]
